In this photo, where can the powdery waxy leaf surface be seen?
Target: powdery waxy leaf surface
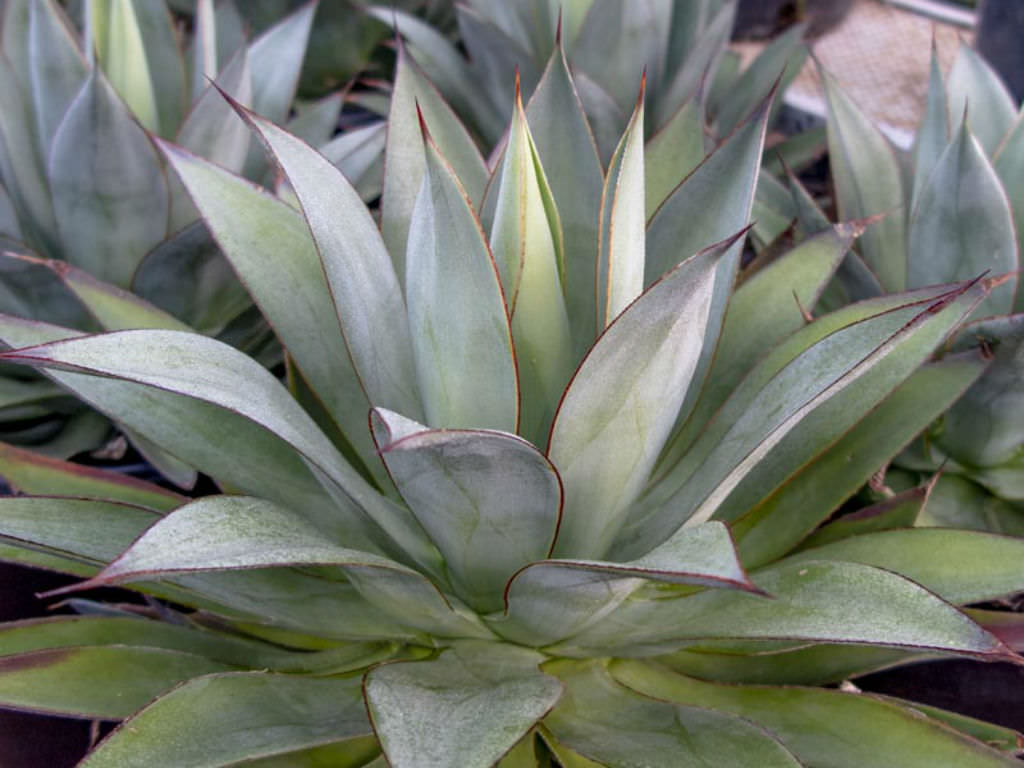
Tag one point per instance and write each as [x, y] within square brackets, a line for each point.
[975, 88]
[620, 406]
[462, 342]
[464, 709]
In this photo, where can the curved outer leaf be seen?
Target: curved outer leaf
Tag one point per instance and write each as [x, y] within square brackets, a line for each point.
[973, 85]
[237, 532]
[621, 239]
[619, 408]
[490, 501]
[457, 313]
[874, 732]
[565, 146]
[404, 161]
[550, 600]
[823, 392]
[784, 517]
[985, 428]
[109, 191]
[602, 720]
[118, 41]
[963, 225]
[56, 67]
[899, 511]
[208, 371]
[231, 719]
[464, 709]
[269, 246]
[814, 600]
[165, 62]
[32, 473]
[362, 281]
[868, 183]
[526, 240]
[31, 290]
[959, 566]
[773, 301]
[1009, 164]
[933, 133]
[104, 682]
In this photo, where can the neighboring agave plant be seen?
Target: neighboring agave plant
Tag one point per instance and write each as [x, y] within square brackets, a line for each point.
[955, 212]
[520, 503]
[85, 196]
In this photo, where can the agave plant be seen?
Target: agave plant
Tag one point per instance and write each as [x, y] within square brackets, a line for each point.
[955, 212]
[85, 196]
[518, 503]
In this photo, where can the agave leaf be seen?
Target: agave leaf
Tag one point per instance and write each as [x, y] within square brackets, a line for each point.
[783, 518]
[21, 162]
[167, 465]
[526, 240]
[984, 428]
[464, 709]
[989, 734]
[963, 225]
[445, 66]
[818, 664]
[122, 51]
[874, 732]
[899, 511]
[601, 720]
[958, 502]
[316, 122]
[607, 120]
[233, 719]
[457, 312]
[522, 755]
[103, 682]
[359, 154]
[404, 160]
[366, 292]
[275, 59]
[773, 212]
[854, 369]
[700, 58]
[818, 601]
[31, 473]
[973, 85]
[621, 239]
[490, 501]
[550, 600]
[254, 230]
[673, 153]
[188, 277]
[974, 566]
[1009, 164]
[567, 152]
[207, 371]
[796, 152]
[164, 61]
[9, 226]
[236, 532]
[109, 191]
[15, 39]
[781, 60]
[619, 408]
[868, 183]
[933, 134]
[57, 67]
[31, 289]
[773, 300]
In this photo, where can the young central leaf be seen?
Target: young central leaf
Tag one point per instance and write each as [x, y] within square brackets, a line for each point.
[527, 243]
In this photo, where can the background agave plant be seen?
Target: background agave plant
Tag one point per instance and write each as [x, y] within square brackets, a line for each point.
[953, 210]
[87, 209]
[589, 493]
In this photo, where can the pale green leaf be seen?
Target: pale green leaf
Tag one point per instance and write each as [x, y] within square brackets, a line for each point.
[490, 501]
[868, 183]
[366, 292]
[962, 225]
[122, 53]
[464, 709]
[57, 67]
[315, 122]
[899, 511]
[457, 313]
[620, 407]
[604, 721]
[165, 62]
[933, 133]
[974, 88]
[109, 191]
[874, 733]
[673, 153]
[234, 719]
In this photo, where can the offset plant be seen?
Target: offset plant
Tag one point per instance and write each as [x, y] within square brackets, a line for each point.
[87, 208]
[521, 502]
[957, 213]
